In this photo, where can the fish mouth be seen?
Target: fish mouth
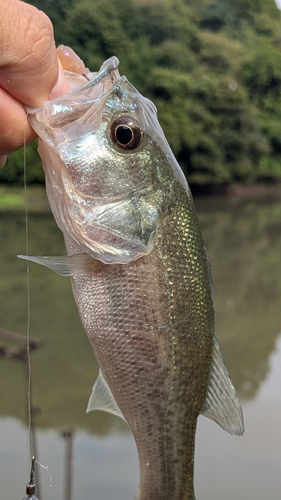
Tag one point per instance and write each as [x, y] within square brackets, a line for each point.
[66, 109]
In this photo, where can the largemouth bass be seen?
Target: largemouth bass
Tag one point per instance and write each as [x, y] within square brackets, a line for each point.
[140, 273]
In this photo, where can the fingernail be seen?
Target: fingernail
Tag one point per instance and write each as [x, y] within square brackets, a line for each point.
[61, 87]
[70, 60]
[3, 160]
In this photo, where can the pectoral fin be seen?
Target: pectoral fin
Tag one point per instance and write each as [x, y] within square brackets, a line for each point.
[66, 265]
[102, 398]
[221, 403]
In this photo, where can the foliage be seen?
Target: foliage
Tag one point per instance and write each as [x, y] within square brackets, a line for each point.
[13, 172]
[212, 67]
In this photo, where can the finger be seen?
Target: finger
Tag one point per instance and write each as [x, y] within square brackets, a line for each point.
[3, 160]
[14, 126]
[28, 60]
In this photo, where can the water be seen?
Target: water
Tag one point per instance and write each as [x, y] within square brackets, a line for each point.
[243, 237]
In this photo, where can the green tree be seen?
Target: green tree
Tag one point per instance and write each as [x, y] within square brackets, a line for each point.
[213, 68]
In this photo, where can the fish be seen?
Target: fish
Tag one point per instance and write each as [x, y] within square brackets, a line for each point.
[140, 272]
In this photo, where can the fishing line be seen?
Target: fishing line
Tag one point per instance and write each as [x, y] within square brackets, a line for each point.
[29, 409]
[29, 402]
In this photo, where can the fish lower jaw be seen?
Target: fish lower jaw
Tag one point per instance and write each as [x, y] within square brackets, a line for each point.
[106, 253]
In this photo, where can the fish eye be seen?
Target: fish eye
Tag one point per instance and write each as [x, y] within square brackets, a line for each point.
[126, 133]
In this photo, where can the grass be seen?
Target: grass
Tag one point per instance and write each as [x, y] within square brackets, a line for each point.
[16, 199]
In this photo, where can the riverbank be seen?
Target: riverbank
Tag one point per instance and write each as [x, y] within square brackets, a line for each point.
[13, 199]
[239, 190]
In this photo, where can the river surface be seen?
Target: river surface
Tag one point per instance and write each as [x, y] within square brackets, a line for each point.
[243, 238]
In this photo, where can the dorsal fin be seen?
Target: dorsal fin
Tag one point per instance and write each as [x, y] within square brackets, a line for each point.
[221, 403]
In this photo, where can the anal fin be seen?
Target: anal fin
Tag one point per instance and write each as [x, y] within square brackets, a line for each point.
[102, 399]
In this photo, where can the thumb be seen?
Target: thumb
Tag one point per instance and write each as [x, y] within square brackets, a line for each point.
[28, 60]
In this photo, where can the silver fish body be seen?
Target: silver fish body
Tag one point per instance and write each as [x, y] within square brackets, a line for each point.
[140, 274]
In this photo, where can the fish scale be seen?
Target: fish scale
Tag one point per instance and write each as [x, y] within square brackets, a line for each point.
[160, 396]
[140, 273]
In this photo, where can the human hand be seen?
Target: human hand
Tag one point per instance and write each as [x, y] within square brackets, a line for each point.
[29, 71]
